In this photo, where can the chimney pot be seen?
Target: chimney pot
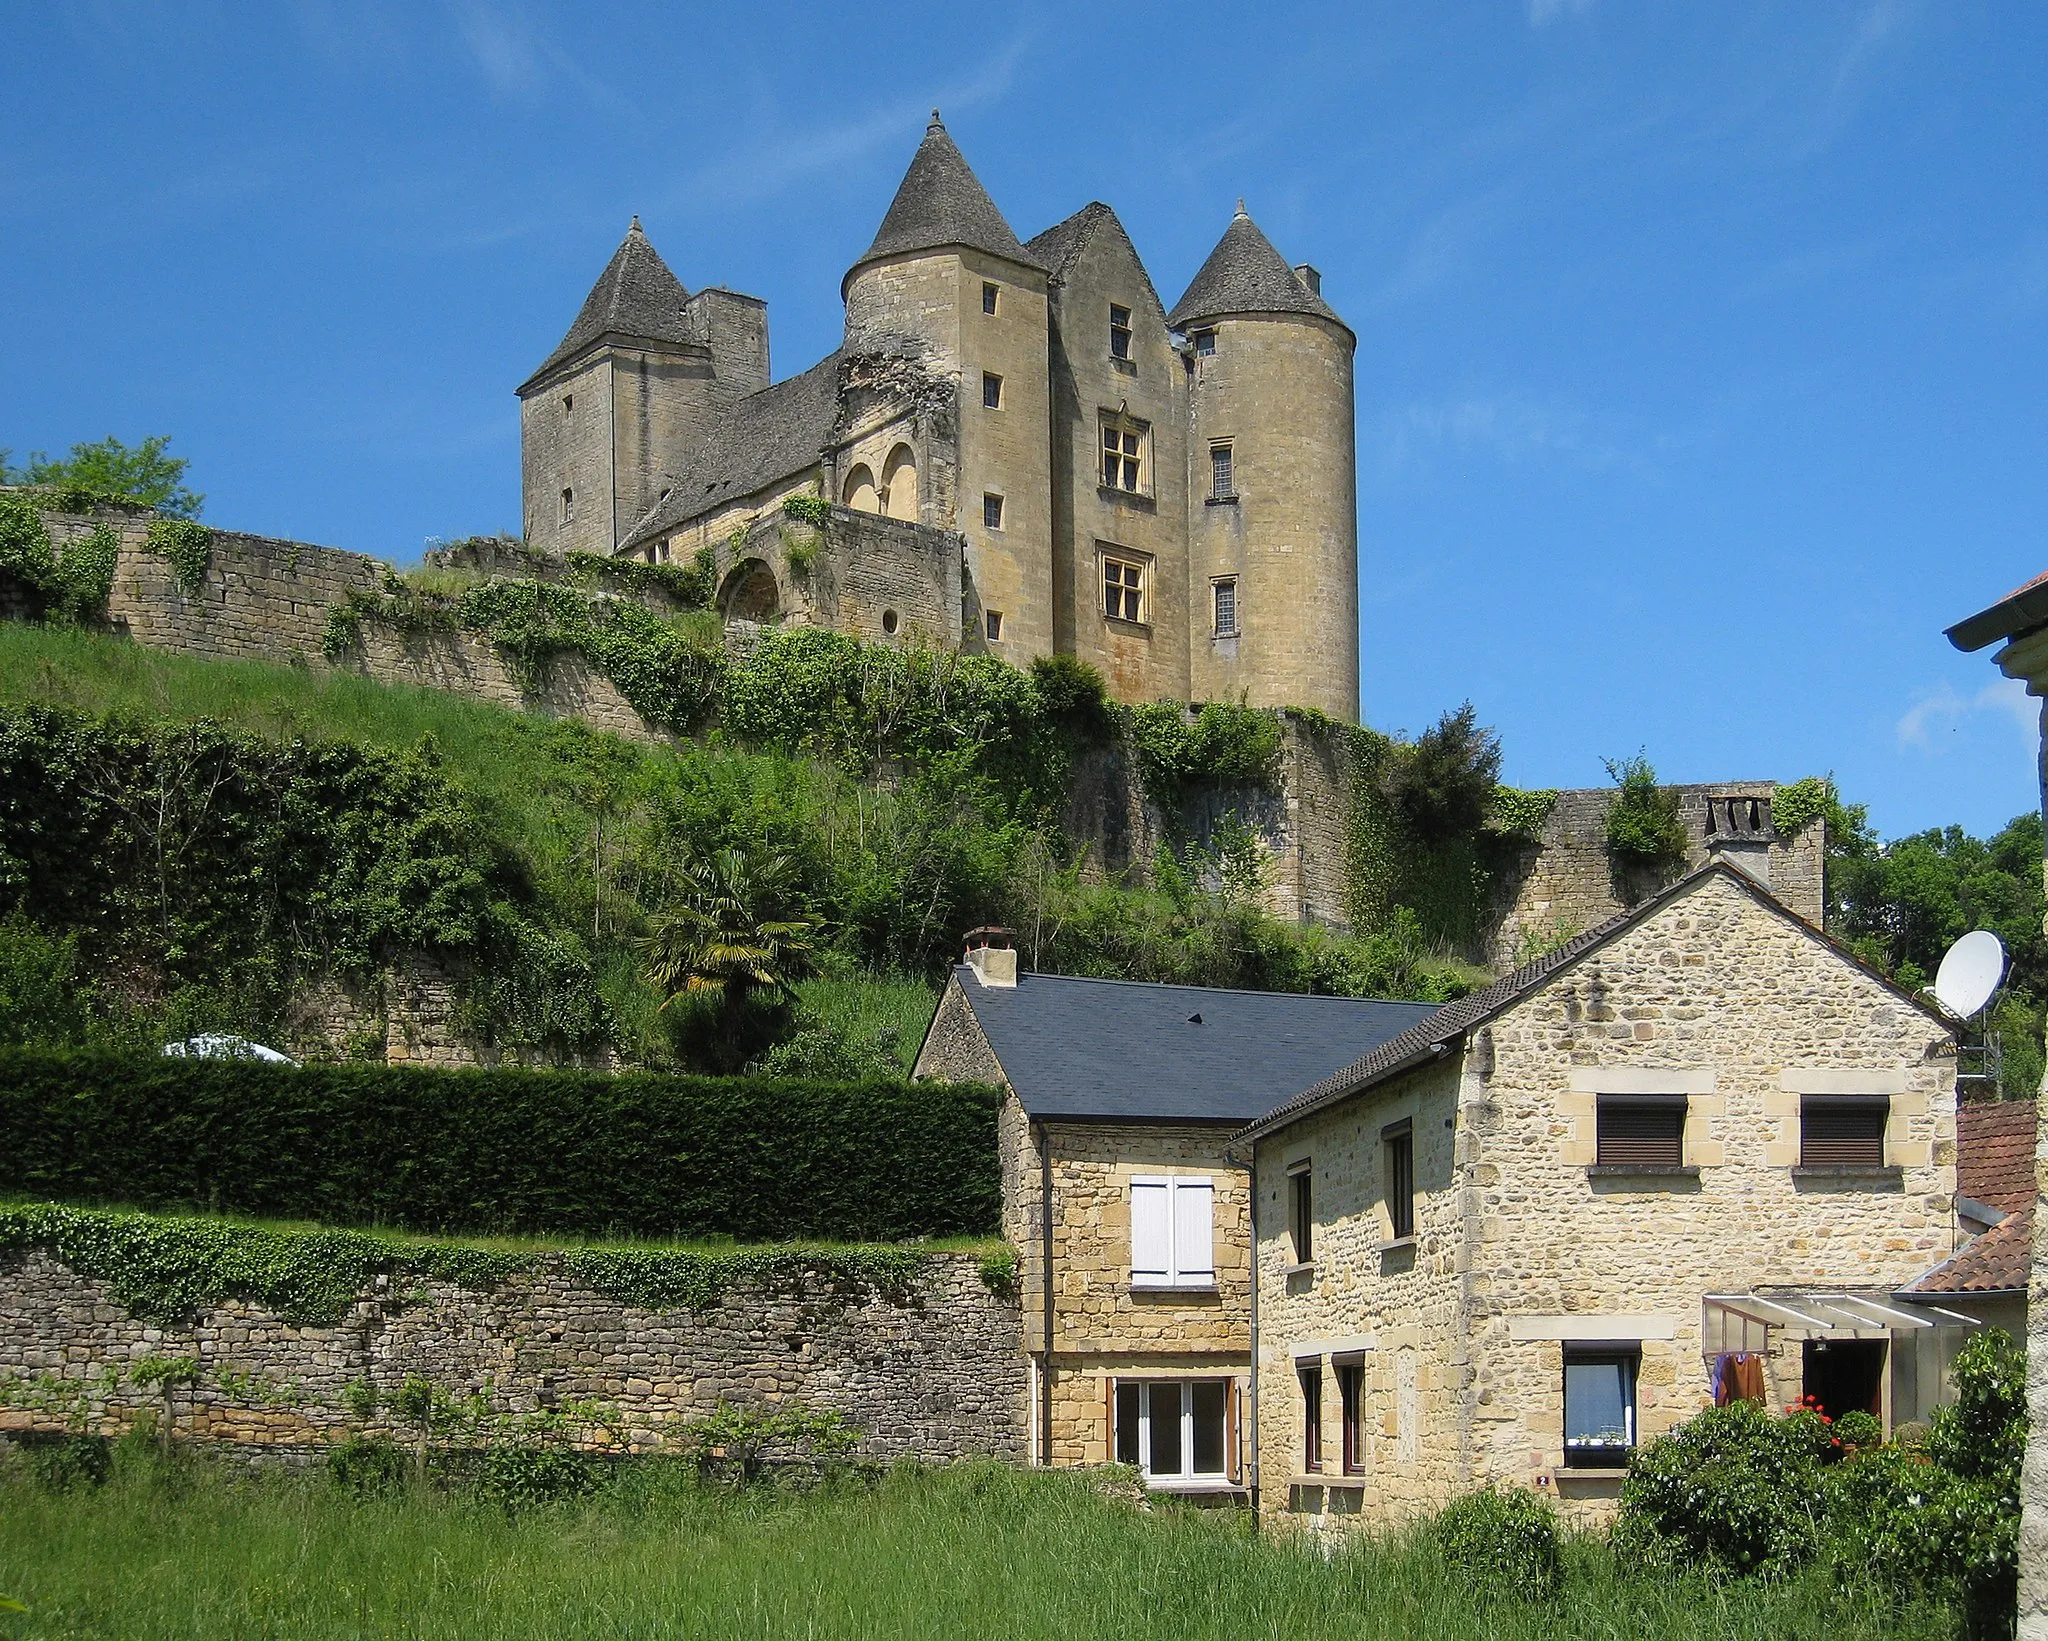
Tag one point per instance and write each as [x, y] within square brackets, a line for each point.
[1311, 279]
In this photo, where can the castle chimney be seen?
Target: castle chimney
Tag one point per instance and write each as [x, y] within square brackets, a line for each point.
[991, 956]
[1311, 279]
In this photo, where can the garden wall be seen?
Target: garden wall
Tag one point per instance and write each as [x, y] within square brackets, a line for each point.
[931, 1370]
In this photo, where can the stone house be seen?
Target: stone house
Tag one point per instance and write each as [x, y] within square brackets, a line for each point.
[1168, 495]
[1696, 1152]
[1119, 1098]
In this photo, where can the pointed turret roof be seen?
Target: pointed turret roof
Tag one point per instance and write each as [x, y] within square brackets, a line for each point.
[635, 296]
[1244, 274]
[942, 202]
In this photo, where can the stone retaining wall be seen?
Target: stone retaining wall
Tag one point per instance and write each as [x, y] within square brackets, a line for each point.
[934, 1372]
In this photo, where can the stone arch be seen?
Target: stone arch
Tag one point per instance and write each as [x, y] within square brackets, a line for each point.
[860, 492]
[749, 593]
[899, 484]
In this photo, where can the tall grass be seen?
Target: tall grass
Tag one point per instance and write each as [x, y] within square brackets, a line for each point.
[974, 1551]
[868, 1008]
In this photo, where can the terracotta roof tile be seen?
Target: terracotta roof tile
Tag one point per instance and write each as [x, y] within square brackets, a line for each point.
[1999, 1261]
[1995, 1153]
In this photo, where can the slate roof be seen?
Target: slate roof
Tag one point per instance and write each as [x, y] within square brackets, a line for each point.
[941, 202]
[1995, 1153]
[1244, 274]
[771, 435]
[1996, 1262]
[1125, 1050]
[1432, 1038]
[1061, 245]
[636, 296]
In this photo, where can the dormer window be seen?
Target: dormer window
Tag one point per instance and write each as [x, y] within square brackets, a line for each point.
[1119, 332]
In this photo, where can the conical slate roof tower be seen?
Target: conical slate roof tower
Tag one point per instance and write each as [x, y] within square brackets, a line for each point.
[635, 298]
[941, 202]
[1244, 274]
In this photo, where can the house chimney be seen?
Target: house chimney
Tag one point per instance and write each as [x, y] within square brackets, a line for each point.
[1311, 279]
[991, 956]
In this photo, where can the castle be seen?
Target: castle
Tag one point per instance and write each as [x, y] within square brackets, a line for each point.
[1038, 457]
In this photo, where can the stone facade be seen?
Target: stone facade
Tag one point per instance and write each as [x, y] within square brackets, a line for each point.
[932, 1373]
[1521, 1247]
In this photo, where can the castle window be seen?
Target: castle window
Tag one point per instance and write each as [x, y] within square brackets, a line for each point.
[1123, 589]
[1222, 472]
[992, 511]
[991, 391]
[890, 622]
[568, 507]
[899, 484]
[1223, 591]
[1119, 332]
[859, 491]
[995, 626]
[988, 297]
[568, 404]
[1123, 454]
[1205, 343]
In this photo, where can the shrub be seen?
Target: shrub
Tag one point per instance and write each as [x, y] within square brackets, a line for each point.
[1643, 828]
[1503, 1541]
[503, 1150]
[367, 1466]
[62, 1463]
[521, 1475]
[1444, 783]
[1859, 1430]
[1982, 1435]
[1733, 1489]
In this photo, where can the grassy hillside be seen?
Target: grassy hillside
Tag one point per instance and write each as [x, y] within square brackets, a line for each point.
[581, 841]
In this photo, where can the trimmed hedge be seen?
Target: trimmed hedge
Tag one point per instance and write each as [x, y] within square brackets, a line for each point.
[548, 1153]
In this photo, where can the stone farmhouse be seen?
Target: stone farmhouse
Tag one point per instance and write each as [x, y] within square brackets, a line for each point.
[1119, 1098]
[1700, 1152]
[1065, 466]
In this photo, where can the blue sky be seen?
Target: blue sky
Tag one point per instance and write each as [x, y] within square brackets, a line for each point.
[1701, 347]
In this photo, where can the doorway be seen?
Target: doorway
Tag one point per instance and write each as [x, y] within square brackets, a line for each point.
[1845, 1375]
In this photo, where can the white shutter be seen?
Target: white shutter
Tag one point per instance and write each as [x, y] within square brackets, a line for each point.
[1151, 1231]
[1194, 1263]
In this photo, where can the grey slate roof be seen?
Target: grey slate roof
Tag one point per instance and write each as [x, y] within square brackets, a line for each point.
[1061, 245]
[1124, 1050]
[1244, 274]
[636, 296]
[1433, 1036]
[942, 202]
[771, 435]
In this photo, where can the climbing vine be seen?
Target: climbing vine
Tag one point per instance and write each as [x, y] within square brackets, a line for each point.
[1644, 831]
[72, 586]
[187, 545]
[1799, 805]
[1220, 744]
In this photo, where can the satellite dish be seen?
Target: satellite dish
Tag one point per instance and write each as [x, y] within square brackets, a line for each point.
[1970, 973]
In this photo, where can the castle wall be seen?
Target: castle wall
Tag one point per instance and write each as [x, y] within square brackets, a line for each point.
[1278, 391]
[569, 448]
[933, 1372]
[1148, 660]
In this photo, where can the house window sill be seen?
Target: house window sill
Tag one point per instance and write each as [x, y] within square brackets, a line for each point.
[1630, 1170]
[1890, 1175]
[1593, 1472]
[1315, 1478]
[1220, 501]
[1305, 1267]
[1128, 366]
[1129, 498]
[1192, 1484]
[1144, 627]
[1140, 1286]
[1395, 1244]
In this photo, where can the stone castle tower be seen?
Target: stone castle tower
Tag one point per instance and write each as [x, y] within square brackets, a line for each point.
[1170, 497]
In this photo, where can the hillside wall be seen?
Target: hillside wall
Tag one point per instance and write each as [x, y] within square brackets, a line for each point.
[934, 1372]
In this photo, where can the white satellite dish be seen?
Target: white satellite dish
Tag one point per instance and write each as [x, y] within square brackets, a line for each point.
[1970, 973]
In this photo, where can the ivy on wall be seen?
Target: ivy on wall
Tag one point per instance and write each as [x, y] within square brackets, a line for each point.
[1799, 805]
[163, 1269]
[189, 547]
[73, 586]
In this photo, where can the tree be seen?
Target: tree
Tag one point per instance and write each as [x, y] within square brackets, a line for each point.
[1643, 828]
[145, 474]
[1444, 783]
[725, 934]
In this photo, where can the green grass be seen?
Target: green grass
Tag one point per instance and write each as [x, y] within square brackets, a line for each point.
[975, 1551]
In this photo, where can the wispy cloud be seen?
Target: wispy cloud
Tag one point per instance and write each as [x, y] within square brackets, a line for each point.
[1542, 13]
[1505, 428]
[519, 60]
[1927, 724]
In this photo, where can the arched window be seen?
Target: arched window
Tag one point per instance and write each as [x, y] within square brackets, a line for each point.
[899, 484]
[859, 491]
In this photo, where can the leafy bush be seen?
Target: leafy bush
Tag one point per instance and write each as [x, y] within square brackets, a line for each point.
[1859, 1429]
[1503, 1541]
[1982, 1435]
[1643, 828]
[520, 1475]
[503, 1150]
[1220, 744]
[61, 1463]
[1444, 783]
[1733, 1489]
[143, 475]
[368, 1466]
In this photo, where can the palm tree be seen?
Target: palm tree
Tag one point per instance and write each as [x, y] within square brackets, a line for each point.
[717, 938]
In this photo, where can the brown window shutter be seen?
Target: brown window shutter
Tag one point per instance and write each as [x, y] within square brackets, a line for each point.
[1842, 1133]
[1641, 1132]
[1230, 1429]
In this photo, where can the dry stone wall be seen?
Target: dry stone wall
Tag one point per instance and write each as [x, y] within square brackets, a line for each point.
[932, 1372]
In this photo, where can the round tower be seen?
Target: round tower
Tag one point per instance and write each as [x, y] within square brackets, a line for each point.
[1273, 494]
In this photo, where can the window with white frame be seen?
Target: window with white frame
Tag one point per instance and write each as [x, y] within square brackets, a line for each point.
[1173, 1429]
[1171, 1245]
